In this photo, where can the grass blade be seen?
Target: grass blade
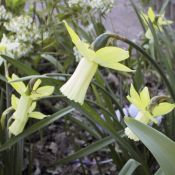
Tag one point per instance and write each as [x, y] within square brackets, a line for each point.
[129, 167]
[88, 150]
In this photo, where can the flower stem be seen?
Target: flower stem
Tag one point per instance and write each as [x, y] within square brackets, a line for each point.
[150, 59]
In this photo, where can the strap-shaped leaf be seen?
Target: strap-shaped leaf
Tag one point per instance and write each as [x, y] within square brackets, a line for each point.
[160, 146]
[88, 150]
[129, 167]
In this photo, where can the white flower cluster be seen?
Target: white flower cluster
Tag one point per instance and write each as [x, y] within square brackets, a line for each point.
[25, 29]
[104, 6]
[72, 3]
[13, 48]
[22, 32]
[4, 15]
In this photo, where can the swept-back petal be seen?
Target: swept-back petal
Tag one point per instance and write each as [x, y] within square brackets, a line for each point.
[134, 94]
[75, 38]
[111, 54]
[18, 86]
[145, 97]
[112, 64]
[43, 91]
[164, 21]
[82, 47]
[37, 84]
[151, 14]
[162, 109]
[37, 115]
[135, 99]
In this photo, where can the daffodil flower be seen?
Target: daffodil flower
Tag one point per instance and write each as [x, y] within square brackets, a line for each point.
[76, 87]
[25, 105]
[149, 108]
[158, 22]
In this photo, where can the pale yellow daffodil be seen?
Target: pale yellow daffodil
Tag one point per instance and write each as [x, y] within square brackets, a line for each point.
[157, 21]
[76, 87]
[148, 108]
[25, 105]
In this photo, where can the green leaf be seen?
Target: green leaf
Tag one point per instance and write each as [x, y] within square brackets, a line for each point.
[88, 150]
[129, 167]
[159, 172]
[39, 125]
[24, 68]
[94, 117]
[160, 146]
[54, 61]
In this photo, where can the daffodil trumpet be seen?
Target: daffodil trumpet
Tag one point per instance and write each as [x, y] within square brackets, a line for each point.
[76, 87]
[149, 108]
[25, 105]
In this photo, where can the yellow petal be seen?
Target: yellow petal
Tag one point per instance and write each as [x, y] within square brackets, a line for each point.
[114, 65]
[82, 47]
[134, 98]
[43, 91]
[37, 115]
[111, 54]
[37, 84]
[18, 86]
[145, 97]
[14, 101]
[151, 14]
[134, 94]
[75, 38]
[162, 109]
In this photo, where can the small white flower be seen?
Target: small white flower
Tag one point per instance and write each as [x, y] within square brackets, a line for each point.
[8, 45]
[102, 6]
[4, 15]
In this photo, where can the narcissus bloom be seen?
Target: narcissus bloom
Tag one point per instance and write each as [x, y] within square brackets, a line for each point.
[76, 87]
[149, 108]
[25, 105]
[158, 22]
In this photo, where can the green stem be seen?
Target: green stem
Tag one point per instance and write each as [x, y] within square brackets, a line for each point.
[112, 96]
[150, 59]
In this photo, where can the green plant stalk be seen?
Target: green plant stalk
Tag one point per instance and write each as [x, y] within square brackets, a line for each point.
[110, 95]
[94, 117]
[150, 59]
